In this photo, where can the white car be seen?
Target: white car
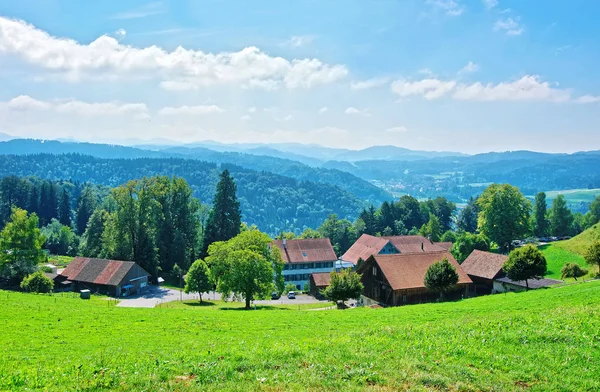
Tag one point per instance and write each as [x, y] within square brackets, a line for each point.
[292, 295]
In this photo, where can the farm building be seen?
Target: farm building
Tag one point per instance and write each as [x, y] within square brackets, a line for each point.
[398, 279]
[368, 245]
[305, 257]
[111, 277]
[318, 282]
[485, 270]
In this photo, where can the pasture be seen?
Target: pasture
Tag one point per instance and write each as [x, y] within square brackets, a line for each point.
[538, 340]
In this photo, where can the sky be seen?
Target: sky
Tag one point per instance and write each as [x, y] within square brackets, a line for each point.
[453, 75]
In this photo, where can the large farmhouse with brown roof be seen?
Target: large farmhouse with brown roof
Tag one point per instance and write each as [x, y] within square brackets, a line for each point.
[112, 277]
[485, 270]
[304, 257]
[398, 279]
[368, 245]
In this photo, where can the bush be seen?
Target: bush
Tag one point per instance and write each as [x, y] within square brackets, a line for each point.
[306, 287]
[572, 270]
[289, 287]
[343, 286]
[440, 277]
[37, 283]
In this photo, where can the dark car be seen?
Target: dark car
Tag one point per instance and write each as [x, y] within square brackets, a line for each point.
[275, 295]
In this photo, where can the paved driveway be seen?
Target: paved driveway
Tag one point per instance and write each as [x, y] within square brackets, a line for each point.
[155, 295]
[300, 299]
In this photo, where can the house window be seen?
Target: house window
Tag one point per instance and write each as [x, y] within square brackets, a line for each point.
[374, 271]
[303, 254]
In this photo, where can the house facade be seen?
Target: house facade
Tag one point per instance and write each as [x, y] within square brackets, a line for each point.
[398, 279]
[319, 282]
[304, 257]
[111, 277]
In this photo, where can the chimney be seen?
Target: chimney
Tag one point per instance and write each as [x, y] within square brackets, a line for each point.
[422, 247]
[285, 243]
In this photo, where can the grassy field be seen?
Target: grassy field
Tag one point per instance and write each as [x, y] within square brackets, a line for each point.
[573, 196]
[557, 257]
[539, 340]
[579, 244]
[60, 261]
[234, 305]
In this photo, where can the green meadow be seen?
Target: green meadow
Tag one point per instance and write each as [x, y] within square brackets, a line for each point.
[538, 340]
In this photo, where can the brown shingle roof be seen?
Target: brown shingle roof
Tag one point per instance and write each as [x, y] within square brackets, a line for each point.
[368, 245]
[445, 245]
[484, 264]
[407, 271]
[310, 250]
[97, 271]
[321, 279]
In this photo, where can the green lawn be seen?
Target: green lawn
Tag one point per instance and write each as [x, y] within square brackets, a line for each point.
[233, 305]
[538, 340]
[60, 261]
[579, 244]
[557, 257]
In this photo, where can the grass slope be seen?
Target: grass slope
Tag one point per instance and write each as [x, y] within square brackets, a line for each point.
[539, 340]
[580, 243]
[557, 257]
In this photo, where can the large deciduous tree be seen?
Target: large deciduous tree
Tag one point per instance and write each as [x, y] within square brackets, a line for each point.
[441, 277]
[525, 263]
[541, 225]
[224, 219]
[197, 279]
[20, 246]
[561, 217]
[343, 285]
[247, 266]
[504, 214]
[592, 255]
[467, 243]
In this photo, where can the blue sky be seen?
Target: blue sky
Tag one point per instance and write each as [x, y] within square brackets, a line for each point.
[468, 76]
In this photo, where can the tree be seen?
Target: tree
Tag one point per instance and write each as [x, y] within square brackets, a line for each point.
[441, 277]
[86, 205]
[343, 286]
[37, 282]
[246, 265]
[504, 214]
[525, 263]
[370, 220]
[64, 209]
[561, 217]
[467, 243]
[60, 240]
[197, 279]
[91, 240]
[572, 270]
[594, 213]
[449, 236]
[20, 246]
[433, 229]
[467, 217]
[225, 218]
[541, 225]
[48, 202]
[592, 255]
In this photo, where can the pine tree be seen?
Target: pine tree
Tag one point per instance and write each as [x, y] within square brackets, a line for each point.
[561, 217]
[64, 210]
[541, 226]
[86, 205]
[225, 219]
[48, 203]
[33, 205]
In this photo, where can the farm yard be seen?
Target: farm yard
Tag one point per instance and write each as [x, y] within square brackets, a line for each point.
[537, 340]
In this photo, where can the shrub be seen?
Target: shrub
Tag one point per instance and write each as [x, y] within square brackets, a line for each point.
[37, 283]
[343, 286]
[441, 277]
[572, 270]
[289, 287]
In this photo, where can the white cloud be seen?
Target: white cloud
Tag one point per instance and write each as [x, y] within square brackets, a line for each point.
[120, 34]
[489, 4]
[369, 83]
[428, 88]
[509, 26]
[191, 110]
[324, 109]
[449, 7]
[181, 69]
[245, 117]
[25, 102]
[588, 99]
[400, 129]
[252, 109]
[469, 68]
[288, 117]
[297, 41]
[527, 88]
[155, 8]
[353, 110]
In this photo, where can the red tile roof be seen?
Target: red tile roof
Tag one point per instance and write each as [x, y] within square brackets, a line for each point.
[310, 250]
[98, 271]
[484, 264]
[321, 279]
[368, 245]
[407, 271]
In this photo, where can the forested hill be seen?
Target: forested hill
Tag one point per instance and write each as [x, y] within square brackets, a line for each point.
[361, 188]
[273, 202]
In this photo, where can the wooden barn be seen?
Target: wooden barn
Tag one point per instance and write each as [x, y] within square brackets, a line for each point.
[318, 282]
[111, 277]
[398, 279]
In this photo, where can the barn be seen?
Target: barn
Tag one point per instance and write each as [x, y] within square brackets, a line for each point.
[111, 277]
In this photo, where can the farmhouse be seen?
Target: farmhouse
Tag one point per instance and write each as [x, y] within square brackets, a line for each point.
[368, 245]
[485, 270]
[305, 257]
[319, 281]
[398, 279]
[111, 277]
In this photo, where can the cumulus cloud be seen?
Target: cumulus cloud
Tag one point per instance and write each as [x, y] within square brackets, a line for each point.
[252, 109]
[355, 111]
[25, 102]
[324, 109]
[489, 4]
[509, 26]
[245, 117]
[469, 68]
[180, 69]
[527, 88]
[297, 41]
[397, 130]
[191, 110]
[369, 83]
[449, 7]
[588, 99]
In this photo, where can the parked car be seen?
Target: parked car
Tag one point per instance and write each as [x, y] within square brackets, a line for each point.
[292, 295]
[275, 295]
